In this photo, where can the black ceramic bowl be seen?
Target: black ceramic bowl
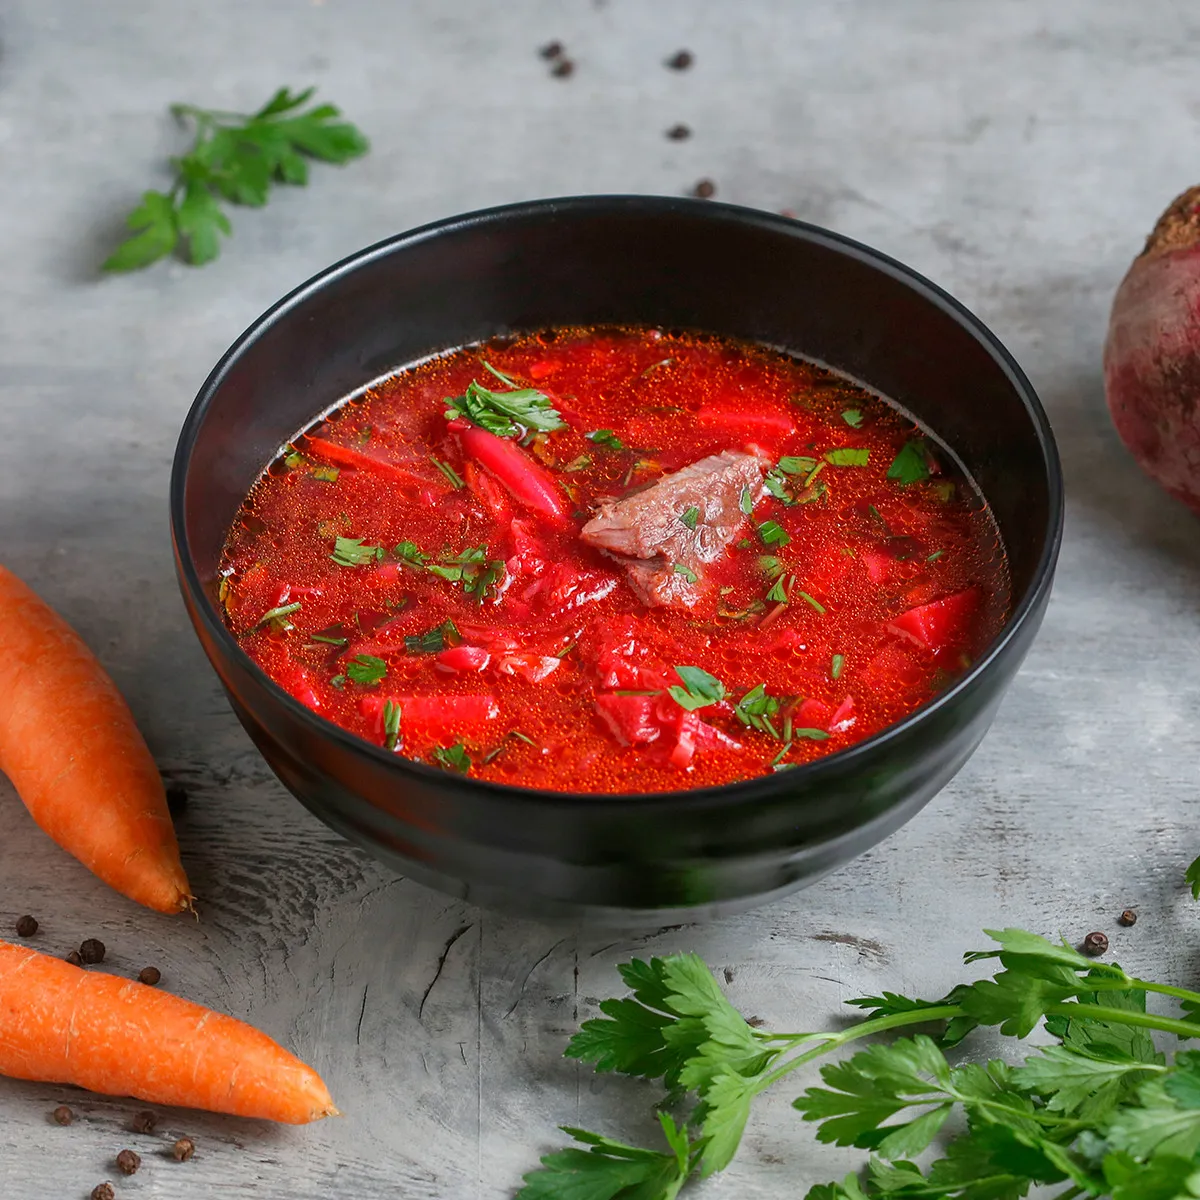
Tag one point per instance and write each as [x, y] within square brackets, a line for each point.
[680, 264]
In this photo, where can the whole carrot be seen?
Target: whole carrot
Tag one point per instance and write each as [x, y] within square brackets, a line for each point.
[69, 744]
[62, 1024]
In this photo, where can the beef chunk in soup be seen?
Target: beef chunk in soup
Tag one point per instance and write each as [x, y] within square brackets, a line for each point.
[665, 534]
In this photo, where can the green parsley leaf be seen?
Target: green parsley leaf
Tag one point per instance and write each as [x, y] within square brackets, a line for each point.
[686, 572]
[773, 534]
[325, 474]
[605, 437]
[454, 478]
[235, 158]
[453, 758]
[689, 517]
[353, 552]
[853, 417]
[391, 724]
[811, 735]
[277, 617]
[506, 414]
[776, 485]
[759, 710]
[935, 556]
[409, 554]
[911, 465]
[835, 670]
[699, 689]
[483, 582]
[437, 639]
[847, 456]
[746, 502]
[156, 227]
[330, 639]
[778, 592]
[1192, 878]
[611, 1170]
[366, 669]
[797, 465]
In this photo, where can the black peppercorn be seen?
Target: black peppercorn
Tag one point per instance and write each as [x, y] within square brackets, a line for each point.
[62, 1115]
[1127, 918]
[27, 926]
[128, 1162]
[679, 133]
[563, 68]
[705, 189]
[144, 1122]
[1095, 943]
[75, 958]
[91, 950]
[681, 60]
[552, 50]
[103, 1191]
[183, 1149]
[149, 976]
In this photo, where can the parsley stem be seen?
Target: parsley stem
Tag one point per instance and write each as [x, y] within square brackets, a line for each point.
[945, 1012]
[1121, 1016]
[1143, 985]
[920, 1016]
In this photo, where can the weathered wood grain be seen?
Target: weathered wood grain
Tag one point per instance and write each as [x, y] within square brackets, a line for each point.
[1015, 153]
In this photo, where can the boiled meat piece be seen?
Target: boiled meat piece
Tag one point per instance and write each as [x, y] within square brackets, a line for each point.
[663, 544]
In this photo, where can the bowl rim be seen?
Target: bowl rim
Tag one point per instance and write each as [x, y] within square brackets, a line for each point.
[727, 794]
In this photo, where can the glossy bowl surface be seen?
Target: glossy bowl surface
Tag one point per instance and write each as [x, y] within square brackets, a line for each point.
[684, 264]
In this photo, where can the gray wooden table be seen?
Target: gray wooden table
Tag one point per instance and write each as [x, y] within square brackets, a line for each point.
[1016, 153]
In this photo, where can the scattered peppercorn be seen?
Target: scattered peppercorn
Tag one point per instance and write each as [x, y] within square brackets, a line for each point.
[75, 958]
[91, 950]
[679, 133]
[149, 976]
[177, 798]
[1127, 918]
[681, 60]
[144, 1122]
[128, 1162]
[183, 1149]
[27, 926]
[552, 50]
[705, 189]
[563, 68]
[1095, 943]
[103, 1191]
[62, 1115]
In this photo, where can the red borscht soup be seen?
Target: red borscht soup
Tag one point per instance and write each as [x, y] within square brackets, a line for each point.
[614, 560]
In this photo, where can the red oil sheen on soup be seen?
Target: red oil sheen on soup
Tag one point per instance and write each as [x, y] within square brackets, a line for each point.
[598, 560]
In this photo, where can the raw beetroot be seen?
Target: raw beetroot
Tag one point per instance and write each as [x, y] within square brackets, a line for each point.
[1152, 353]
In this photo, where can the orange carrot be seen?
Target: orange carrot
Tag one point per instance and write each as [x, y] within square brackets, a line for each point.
[77, 760]
[62, 1024]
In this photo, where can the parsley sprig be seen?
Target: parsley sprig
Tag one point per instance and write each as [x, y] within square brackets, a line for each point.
[235, 159]
[506, 414]
[1102, 1112]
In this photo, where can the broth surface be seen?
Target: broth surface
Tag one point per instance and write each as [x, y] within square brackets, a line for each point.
[518, 606]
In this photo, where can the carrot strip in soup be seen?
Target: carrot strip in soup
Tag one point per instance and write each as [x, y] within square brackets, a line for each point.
[69, 744]
[346, 456]
[62, 1024]
[530, 484]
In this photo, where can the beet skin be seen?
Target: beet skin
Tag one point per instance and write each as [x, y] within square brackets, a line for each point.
[1152, 353]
